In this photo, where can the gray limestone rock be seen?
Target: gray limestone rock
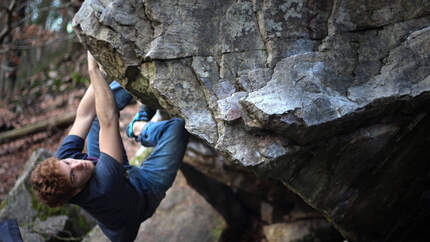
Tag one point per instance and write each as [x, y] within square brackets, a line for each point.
[29, 235]
[173, 82]
[51, 226]
[302, 85]
[177, 220]
[19, 200]
[330, 97]
[361, 15]
[297, 231]
[254, 79]
[229, 108]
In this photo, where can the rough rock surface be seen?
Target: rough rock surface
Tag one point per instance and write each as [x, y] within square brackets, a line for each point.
[38, 222]
[329, 97]
[293, 232]
[182, 216]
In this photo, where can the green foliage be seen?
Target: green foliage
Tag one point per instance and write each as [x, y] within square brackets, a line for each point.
[78, 79]
[57, 84]
[35, 83]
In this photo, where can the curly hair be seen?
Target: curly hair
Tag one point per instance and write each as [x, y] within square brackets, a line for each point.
[51, 187]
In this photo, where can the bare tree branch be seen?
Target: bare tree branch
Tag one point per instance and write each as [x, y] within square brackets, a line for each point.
[6, 68]
[8, 28]
[29, 47]
[37, 127]
[12, 5]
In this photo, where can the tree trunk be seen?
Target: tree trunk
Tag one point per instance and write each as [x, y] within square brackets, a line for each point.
[60, 121]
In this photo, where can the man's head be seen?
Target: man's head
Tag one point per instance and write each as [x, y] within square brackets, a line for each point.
[56, 181]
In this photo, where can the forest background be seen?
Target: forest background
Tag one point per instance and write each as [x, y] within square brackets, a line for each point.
[43, 75]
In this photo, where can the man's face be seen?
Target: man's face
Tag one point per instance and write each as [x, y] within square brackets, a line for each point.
[77, 171]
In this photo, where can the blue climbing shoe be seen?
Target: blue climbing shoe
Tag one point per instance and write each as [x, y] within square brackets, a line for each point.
[144, 114]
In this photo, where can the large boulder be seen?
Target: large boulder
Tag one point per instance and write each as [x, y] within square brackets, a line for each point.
[328, 97]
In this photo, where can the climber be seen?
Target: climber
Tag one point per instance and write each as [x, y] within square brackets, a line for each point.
[119, 196]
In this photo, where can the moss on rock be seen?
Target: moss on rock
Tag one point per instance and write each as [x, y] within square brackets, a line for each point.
[3, 204]
[43, 210]
[141, 155]
[219, 227]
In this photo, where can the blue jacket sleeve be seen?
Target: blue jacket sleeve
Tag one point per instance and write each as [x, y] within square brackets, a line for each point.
[71, 147]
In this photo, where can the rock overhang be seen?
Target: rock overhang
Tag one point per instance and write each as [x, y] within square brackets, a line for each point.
[272, 84]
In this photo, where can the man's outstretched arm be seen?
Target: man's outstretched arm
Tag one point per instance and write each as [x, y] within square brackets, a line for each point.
[109, 137]
[84, 115]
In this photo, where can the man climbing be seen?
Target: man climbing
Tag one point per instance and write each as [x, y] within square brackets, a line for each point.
[119, 196]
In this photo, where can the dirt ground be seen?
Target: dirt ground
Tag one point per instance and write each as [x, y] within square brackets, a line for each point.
[13, 155]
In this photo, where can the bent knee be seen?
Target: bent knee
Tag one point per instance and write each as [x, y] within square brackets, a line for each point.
[178, 123]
